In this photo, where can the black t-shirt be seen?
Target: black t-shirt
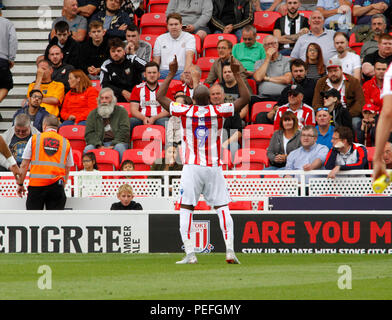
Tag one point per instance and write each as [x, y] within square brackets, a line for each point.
[284, 25]
[132, 206]
[231, 94]
[372, 58]
[228, 13]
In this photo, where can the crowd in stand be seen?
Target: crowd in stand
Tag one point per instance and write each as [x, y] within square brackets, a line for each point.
[326, 96]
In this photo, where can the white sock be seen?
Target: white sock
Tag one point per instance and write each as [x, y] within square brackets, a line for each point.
[186, 218]
[227, 226]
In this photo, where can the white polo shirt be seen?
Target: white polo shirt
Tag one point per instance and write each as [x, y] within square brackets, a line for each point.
[166, 47]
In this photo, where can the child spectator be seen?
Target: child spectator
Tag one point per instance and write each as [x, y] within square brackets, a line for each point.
[127, 165]
[125, 195]
[90, 184]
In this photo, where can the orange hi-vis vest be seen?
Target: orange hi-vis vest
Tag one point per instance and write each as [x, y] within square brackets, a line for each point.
[49, 156]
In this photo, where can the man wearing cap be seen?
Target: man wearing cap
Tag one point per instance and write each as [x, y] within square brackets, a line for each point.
[351, 93]
[304, 113]
[366, 130]
[372, 88]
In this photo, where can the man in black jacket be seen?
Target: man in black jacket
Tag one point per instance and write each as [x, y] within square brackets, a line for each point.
[121, 72]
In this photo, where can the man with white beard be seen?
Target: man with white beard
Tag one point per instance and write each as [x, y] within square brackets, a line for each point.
[107, 126]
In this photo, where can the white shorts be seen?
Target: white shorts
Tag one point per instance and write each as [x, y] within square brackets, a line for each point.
[209, 181]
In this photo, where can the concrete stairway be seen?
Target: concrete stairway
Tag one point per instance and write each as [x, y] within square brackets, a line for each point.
[32, 20]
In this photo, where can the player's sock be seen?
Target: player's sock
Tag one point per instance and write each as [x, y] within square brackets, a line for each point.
[185, 229]
[227, 226]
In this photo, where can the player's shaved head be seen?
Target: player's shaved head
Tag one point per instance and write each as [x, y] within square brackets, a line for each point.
[201, 95]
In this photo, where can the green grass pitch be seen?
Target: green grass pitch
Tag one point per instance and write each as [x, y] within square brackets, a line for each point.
[156, 276]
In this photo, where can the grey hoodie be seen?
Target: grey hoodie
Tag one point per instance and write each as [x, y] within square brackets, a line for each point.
[8, 40]
[195, 12]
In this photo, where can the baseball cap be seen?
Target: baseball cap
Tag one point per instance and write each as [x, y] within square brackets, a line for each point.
[296, 88]
[369, 107]
[334, 62]
[331, 93]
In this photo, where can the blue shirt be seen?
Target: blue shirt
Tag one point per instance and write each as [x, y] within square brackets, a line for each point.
[299, 157]
[326, 139]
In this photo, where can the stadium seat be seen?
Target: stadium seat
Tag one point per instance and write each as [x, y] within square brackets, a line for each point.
[199, 47]
[211, 42]
[240, 205]
[250, 159]
[226, 159]
[263, 106]
[153, 23]
[260, 37]
[205, 64]
[96, 84]
[305, 13]
[150, 38]
[142, 158]
[75, 135]
[107, 159]
[143, 135]
[156, 6]
[127, 106]
[353, 44]
[370, 155]
[264, 20]
[77, 158]
[257, 135]
[253, 85]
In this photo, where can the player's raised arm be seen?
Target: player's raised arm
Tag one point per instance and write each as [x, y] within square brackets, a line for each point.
[161, 94]
[244, 95]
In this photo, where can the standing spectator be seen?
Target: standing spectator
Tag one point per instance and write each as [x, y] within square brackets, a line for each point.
[53, 91]
[107, 126]
[60, 70]
[46, 191]
[77, 23]
[231, 16]
[340, 116]
[8, 47]
[144, 106]
[318, 34]
[114, 19]
[372, 88]
[315, 61]
[195, 15]
[135, 46]
[378, 27]
[324, 127]
[366, 130]
[33, 109]
[249, 51]
[121, 72]
[80, 100]
[175, 42]
[351, 62]
[290, 27]
[86, 8]
[337, 14]
[95, 51]
[351, 93]
[365, 10]
[345, 155]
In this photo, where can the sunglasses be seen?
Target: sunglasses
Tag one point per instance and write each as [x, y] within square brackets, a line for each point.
[322, 109]
[294, 94]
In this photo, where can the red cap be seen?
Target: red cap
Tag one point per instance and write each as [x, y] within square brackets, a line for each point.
[369, 107]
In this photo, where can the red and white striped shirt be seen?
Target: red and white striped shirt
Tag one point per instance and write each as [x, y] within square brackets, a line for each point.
[182, 87]
[148, 104]
[201, 131]
[305, 116]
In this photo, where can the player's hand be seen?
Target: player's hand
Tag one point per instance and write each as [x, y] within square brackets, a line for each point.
[11, 64]
[173, 66]
[21, 191]
[379, 168]
[234, 66]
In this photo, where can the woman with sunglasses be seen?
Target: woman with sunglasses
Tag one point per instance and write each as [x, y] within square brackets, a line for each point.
[315, 62]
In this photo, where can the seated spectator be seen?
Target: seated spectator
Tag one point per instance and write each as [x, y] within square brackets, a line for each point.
[95, 51]
[174, 42]
[69, 46]
[324, 127]
[290, 27]
[77, 23]
[372, 88]
[171, 162]
[310, 156]
[60, 70]
[224, 47]
[315, 62]
[231, 17]
[173, 126]
[114, 19]
[304, 113]
[387, 155]
[268, 5]
[317, 34]
[365, 10]
[187, 85]
[337, 14]
[345, 155]
[107, 126]
[80, 100]
[384, 53]
[351, 62]
[53, 91]
[90, 183]
[378, 27]
[340, 116]
[283, 141]
[349, 87]
[195, 15]
[127, 165]
[144, 106]
[125, 195]
[366, 129]
[249, 50]
[135, 46]
[121, 72]
[272, 73]
[86, 8]
[33, 109]
[299, 72]
[16, 139]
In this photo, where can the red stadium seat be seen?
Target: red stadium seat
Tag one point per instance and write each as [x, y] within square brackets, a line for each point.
[211, 42]
[257, 135]
[205, 64]
[143, 135]
[353, 44]
[305, 13]
[77, 158]
[127, 106]
[198, 46]
[150, 38]
[142, 158]
[370, 155]
[96, 84]
[240, 205]
[253, 85]
[226, 159]
[153, 23]
[264, 20]
[260, 37]
[107, 159]
[250, 159]
[157, 6]
[75, 135]
[263, 106]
